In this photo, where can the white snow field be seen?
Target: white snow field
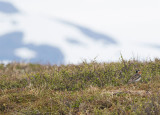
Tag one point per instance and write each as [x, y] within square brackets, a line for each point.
[70, 31]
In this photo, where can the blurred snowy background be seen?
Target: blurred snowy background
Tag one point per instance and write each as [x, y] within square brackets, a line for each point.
[70, 31]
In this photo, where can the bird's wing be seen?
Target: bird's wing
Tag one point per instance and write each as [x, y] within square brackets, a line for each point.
[134, 78]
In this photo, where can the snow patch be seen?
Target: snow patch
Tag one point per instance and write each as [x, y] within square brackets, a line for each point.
[25, 53]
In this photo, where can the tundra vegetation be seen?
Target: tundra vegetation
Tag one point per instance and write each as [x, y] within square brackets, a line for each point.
[84, 89]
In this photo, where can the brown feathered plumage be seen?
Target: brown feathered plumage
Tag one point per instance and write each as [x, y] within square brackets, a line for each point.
[136, 77]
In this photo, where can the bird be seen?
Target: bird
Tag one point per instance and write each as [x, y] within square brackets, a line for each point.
[136, 77]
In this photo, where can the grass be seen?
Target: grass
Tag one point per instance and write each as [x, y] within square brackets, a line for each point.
[84, 89]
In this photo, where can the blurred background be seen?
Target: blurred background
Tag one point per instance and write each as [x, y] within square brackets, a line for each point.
[70, 31]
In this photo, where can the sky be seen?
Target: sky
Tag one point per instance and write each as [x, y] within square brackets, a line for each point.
[134, 25]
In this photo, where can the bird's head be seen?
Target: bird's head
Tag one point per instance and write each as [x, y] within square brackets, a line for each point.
[138, 71]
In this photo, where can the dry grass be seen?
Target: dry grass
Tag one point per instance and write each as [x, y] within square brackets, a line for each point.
[85, 89]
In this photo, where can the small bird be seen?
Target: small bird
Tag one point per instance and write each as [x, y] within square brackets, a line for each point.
[136, 77]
